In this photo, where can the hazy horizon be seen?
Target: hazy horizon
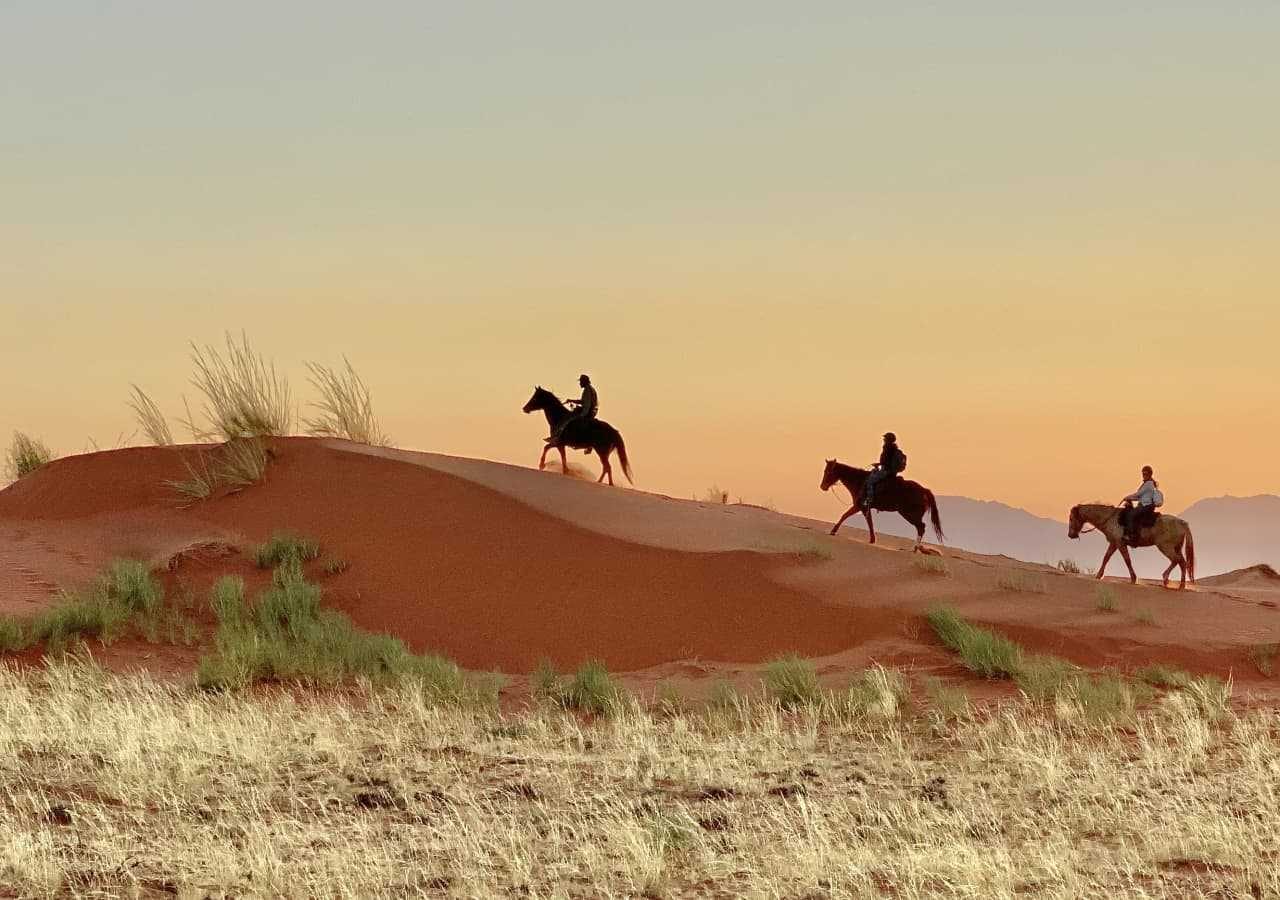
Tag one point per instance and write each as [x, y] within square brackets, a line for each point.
[1037, 245]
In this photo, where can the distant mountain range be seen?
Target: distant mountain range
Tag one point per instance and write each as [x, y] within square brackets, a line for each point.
[1230, 533]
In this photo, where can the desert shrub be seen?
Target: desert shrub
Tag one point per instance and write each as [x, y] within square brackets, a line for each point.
[26, 454]
[792, 682]
[1145, 617]
[1107, 599]
[244, 396]
[982, 651]
[932, 565]
[345, 408]
[877, 693]
[150, 419]
[1070, 566]
[285, 546]
[593, 690]
[1020, 582]
[243, 462]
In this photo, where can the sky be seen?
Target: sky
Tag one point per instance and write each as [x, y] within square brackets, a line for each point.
[1042, 245]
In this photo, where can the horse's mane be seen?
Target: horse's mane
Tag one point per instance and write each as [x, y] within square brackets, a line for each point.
[845, 469]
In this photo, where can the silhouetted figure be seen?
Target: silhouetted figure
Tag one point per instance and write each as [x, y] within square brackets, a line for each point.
[1148, 498]
[908, 498]
[582, 432]
[586, 408]
[892, 462]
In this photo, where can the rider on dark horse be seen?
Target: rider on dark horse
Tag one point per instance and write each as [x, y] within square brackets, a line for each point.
[587, 408]
[892, 462]
[1148, 499]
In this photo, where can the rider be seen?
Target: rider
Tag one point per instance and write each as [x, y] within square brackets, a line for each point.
[892, 462]
[587, 408]
[1149, 499]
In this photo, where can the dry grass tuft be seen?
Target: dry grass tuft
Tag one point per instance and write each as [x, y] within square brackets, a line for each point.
[150, 419]
[244, 396]
[345, 407]
[26, 454]
[1021, 582]
[1107, 599]
[932, 565]
[1070, 566]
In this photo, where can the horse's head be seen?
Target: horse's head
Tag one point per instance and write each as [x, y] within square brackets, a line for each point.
[1075, 522]
[539, 399]
[829, 475]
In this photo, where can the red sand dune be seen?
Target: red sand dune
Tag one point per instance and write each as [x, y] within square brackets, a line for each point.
[499, 566]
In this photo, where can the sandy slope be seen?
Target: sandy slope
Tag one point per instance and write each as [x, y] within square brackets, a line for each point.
[499, 566]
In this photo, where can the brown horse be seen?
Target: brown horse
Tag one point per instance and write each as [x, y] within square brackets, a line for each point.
[581, 434]
[908, 498]
[1171, 534]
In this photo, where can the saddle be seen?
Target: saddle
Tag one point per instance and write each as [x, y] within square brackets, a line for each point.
[1147, 516]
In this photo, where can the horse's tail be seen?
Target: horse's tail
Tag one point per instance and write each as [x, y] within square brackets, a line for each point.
[1191, 556]
[622, 455]
[933, 514]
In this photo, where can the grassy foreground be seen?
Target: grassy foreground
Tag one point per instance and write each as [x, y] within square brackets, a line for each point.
[123, 785]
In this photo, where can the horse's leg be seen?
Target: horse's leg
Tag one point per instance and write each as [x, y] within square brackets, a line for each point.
[1106, 558]
[564, 463]
[542, 460]
[919, 523]
[1124, 552]
[604, 461]
[1164, 579]
[870, 525]
[848, 512]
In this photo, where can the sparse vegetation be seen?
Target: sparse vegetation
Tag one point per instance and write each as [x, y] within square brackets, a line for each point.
[1070, 566]
[1145, 617]
[1263, 656]
[345, 407]
[243, 463]
[127, 595]
[591, 689]
[201, 480]
[283, 547]
[715, 494]
[244, 396]
[1107, 599]
[792, 682]
[1021, 582]
[932, 565]
[982, 651]
[336, 566]
[288, 636]
[1164, 676]
[1040, 800]
[26, 454]
[150, 419]
[946, 701]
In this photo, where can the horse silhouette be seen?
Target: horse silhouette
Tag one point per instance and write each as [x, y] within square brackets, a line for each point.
[908, 498]
[580, 434]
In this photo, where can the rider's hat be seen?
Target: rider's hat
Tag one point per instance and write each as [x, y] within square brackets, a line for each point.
[890, 436]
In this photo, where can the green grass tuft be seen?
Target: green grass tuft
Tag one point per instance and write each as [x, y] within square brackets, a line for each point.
[285, 546]
[1164, 676]
[1145, 617]
[593, 690]
[792, 682]
[1021, 582]
[982, 651]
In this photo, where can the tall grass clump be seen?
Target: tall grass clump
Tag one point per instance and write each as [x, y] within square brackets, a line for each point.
[982, 651]
[285, 546]
[150, 419]
[1107, 599]
[201, 480]
[244, 397]
[593, 690]
[243, 463]
[26, 454]
[345, 408]
[792, 682]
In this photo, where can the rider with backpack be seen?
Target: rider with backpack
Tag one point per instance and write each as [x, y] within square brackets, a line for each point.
[892, 462]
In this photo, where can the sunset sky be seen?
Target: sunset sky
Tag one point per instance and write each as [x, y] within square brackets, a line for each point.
[1043, 247]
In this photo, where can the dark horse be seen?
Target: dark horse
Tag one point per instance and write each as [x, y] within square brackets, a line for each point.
[584, 434]
[907, 498]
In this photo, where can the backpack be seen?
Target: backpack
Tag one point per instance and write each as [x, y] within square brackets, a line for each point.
[899, 462]
[1157, 498]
